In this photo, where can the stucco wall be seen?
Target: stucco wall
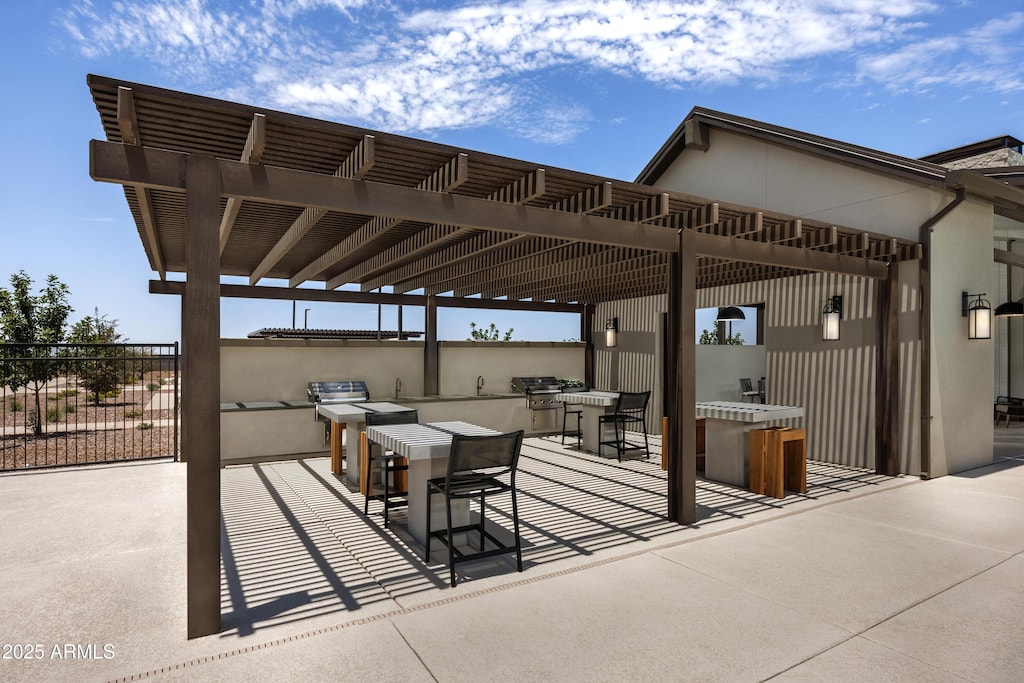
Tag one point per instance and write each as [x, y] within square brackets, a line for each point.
[460, 363]
[763, 174]
[759, 174]
[720, 367]
[961, 371]
[833, 381]
[279, 369]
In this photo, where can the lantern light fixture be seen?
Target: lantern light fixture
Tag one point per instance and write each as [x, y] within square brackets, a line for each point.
[611, 333]
[978, 312]
[830, 317]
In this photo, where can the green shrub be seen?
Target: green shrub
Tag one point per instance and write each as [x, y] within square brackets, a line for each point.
[145, 425]
[67, 393]
[55, 413]
[152, 386]
[132, 413]
[14, 405]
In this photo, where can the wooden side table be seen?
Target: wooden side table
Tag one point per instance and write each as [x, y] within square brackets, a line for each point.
[778, 461]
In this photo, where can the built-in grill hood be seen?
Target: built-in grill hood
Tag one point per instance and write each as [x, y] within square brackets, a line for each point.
[338, 391]
[532, 386]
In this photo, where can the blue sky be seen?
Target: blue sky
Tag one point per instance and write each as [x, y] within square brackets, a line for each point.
[592, 86]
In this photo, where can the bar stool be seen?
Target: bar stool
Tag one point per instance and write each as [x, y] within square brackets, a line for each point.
[630, 410]
[577, 412]
[391, 464]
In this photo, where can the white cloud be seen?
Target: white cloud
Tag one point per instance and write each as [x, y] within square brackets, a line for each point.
[387, 66]
[988, 57]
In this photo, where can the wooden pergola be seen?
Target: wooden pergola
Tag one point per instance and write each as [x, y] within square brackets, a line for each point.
[218, 188]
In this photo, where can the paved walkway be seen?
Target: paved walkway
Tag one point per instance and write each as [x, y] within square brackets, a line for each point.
[864, 579]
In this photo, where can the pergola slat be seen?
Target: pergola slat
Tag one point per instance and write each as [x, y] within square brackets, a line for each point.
[360, 159]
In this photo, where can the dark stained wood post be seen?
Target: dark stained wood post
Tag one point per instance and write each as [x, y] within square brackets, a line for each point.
[887, 368]
[587, 337]
[682, 414]
[201, 397]
[430, 355]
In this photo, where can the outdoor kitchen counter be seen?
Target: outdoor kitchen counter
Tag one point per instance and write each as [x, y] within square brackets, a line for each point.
[727, 427]
[595, 404]
[261, 430]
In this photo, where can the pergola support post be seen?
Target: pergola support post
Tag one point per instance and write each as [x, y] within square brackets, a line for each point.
[201, 398]
[887, 457]
[430, 352]
[682, 410]
[587, 337]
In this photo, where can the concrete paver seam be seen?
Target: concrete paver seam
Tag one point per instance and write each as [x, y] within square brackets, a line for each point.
[862, 633]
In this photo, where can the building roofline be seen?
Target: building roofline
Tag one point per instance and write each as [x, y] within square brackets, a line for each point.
[689, 134]
[974, 148]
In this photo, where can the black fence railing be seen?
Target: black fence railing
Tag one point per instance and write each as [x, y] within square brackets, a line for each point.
[76, 404]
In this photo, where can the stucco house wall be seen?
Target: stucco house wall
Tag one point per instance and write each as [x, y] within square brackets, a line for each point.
[836, 383]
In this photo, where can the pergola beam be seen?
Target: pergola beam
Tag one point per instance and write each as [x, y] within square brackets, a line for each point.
[469, 254]
[359, 161]
[109, 162]
[347, 252]
[128, 125]
[255, 143]
[351, 297]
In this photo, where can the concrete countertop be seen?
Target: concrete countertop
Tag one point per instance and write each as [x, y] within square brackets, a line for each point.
[300, 404]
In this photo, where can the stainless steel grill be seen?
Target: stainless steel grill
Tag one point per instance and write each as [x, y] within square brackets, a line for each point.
[338, 391]
[539, 391]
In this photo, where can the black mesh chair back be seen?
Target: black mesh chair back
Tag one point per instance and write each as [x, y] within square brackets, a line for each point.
[747, 390]
[392, 463]
[478, 467]
[632, 403]
[630, 411]
[484, 456]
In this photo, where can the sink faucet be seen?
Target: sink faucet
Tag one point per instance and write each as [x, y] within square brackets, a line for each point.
[398, 386]
[479, 384]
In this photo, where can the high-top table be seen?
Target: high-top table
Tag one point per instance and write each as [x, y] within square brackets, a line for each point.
[727, 453]
[426, 446]
[594, 404]
[351, 416]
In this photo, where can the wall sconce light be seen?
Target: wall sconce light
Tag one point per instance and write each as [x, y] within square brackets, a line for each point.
[830, 317]
[979, 316]
[611, 333]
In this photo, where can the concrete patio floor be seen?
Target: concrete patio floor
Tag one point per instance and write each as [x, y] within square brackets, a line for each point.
[864, 578]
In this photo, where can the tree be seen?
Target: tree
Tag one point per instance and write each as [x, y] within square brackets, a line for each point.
[489, 334]
[27, 324]
[711, 337]
[98, 375]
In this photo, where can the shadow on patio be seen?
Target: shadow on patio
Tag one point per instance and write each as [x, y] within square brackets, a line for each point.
[296, 546]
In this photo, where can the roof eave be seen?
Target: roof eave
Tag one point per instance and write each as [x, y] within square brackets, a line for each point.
[826, 147]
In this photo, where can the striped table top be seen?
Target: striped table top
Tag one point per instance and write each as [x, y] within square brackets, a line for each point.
[589, 398]
[416, 441]
[746, 412]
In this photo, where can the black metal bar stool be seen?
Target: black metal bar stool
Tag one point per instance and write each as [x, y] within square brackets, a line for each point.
[630, 409]
[577, 412]
[391, 465]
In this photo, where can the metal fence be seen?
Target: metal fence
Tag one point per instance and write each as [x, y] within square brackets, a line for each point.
[75, 404]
